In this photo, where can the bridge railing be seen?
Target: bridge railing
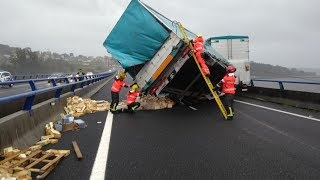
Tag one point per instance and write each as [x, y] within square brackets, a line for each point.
[33, 76]
[69, 82]
[281, 82]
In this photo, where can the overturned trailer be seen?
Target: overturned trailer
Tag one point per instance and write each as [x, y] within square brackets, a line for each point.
[150, 47]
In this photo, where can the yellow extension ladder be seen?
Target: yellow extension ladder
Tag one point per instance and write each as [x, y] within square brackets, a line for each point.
[207, 79]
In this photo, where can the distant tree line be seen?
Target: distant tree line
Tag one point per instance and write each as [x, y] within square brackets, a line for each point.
[267, 70]
[26, 61]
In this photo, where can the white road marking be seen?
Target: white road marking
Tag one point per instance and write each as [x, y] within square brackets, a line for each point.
[193, 108]
[285, 112]
[279, 131]
[99, 167]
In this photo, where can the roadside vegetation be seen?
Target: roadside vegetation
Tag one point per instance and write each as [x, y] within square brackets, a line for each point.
[25, 61]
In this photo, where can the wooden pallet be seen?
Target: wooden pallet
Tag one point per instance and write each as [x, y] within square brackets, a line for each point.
[39, 161]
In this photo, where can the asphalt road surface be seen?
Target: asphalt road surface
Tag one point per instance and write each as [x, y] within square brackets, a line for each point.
[195, 143]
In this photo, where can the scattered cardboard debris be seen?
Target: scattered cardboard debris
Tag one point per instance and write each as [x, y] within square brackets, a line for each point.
[34, 148]
[70, 127]
[53, 141]
[10, 151]
[77, 106]
[43, 142]
[47, 137]
[5, 174]
[7, 150]
[153, 103]
[24, 174]
[77, 150]
[68, 123]
[29, 152]
[150, 103]
[81, 123]
[67, 119]
[22, 156]
[49, 130]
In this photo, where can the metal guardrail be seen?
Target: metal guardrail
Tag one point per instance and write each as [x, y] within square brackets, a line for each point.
[30, 96]
[281, 87]
[32, 76]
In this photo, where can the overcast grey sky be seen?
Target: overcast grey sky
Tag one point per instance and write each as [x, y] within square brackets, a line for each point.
[281, 32]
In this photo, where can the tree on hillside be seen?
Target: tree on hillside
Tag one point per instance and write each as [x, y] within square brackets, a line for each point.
[267, 70]
[25, 61]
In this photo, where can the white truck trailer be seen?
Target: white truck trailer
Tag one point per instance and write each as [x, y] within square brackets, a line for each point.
[150, 47]
[236, 50]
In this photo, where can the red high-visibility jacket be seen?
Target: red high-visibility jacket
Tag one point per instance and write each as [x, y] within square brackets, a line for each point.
[117, 85]
[198, 44]
[131, 97]
[228, 84]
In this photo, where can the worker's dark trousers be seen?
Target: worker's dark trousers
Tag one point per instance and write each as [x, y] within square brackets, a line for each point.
[133, 106]
[229, 102]
[114, 101]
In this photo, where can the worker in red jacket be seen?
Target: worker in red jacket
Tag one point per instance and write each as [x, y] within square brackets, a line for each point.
[228, 88]
[131, 98]
[115, 89]
[198, 45]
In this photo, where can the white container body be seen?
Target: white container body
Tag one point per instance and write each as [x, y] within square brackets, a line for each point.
[236, 51]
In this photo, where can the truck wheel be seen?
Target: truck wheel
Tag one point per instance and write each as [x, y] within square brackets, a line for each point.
[10, 85]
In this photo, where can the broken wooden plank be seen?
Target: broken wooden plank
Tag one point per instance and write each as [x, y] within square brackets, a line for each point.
[77, 150]
[38, 160]
[21, 169]
[65, 153]
[54, 161]
[42, 176]
[44, 160]
[31, 169]
[26, 159]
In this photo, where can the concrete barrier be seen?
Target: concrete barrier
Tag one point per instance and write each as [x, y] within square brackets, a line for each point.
[24, 128]
[17, 105]
[304, 100]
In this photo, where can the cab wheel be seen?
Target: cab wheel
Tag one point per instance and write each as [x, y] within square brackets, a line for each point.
[10, 85]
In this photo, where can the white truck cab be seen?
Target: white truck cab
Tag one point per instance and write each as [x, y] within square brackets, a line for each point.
[236, 50]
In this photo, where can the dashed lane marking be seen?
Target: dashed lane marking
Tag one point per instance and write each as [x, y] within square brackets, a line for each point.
[99, 167]
[276, 110]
